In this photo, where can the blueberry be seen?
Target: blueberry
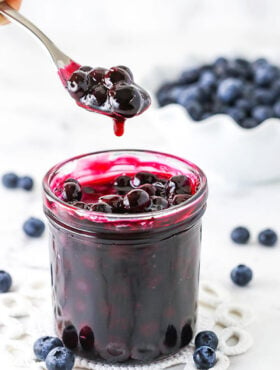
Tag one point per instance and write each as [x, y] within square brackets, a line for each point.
[264, 96]
[148, 188]
[276, 88]
[86, 337]
[158, 203]
[249, 123]
[264, 75]
[122, 184]
[81, 205]
[96, 96]
[237, 114]
[241, 275]
[229, 90]
[143, 177]
[194, 109]
[165, 95]
[5, 281]
[26, 183]
[98, 75]
[260, 62]
[240, 235]
[71, 191]
[221, 67]
[204, 357]
[127, 70]
[276, 109]
[10, 180]
[190, 93]
[44, 345]
[160, 188]
[114, 201]
[86, 69]
[262, 112]
[78, 84]
[115, 75]
[60, 358]
[206, 338]
[190, 76]
[243, 104]
[126, 100]
[34, 227]
[180, 198]
[267, 237]
[179, 184]
[207, 79]
[136, 200]
[100, 207]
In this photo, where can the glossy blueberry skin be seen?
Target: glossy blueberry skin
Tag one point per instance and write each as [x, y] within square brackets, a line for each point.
[204, 358]
[240, 235]
[208, 80]
[34, 227]
[136, 200]
[249, 123]
[44, 345]
[71, 191]
[262, 112]
[268, 238]
[241, 275]
[26, 183]
[5, 281]
[206, 338]
[229, 90]
[10, 180]
[60, 358]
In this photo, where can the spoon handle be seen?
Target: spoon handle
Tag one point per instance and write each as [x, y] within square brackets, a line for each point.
[60, 59]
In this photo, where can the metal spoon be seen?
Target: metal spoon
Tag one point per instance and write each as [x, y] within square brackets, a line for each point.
[60, 59]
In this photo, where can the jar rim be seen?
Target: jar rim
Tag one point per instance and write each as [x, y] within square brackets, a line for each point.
[200, 194]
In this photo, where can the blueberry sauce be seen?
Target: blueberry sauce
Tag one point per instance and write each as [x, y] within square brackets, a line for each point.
[124, 282]
[111, 92]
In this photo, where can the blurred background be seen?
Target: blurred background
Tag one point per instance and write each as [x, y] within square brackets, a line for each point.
[41, 125]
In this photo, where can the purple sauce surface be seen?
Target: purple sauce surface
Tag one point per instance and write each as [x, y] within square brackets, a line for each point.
[124, 286]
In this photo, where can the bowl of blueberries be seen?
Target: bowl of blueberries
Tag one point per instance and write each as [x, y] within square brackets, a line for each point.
[224, 115]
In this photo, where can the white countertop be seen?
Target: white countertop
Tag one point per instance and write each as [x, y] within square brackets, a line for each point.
[40, 126]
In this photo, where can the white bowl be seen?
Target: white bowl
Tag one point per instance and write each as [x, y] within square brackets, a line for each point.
[220, 146]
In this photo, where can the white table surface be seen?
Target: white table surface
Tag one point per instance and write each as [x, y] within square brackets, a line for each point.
[40, 126]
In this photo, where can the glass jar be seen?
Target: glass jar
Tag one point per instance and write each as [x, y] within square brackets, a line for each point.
[124, 285]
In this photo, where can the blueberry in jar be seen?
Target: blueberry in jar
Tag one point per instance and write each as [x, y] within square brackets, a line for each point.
[136, 200]
[71, 191]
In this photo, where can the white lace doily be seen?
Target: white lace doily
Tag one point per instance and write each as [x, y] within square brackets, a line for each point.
[25, 315]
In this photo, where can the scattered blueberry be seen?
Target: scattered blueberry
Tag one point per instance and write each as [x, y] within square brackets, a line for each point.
[44, 345]
[190, 76]
[10, 180]
[241, 275]
[60, 358]
[34, 227]
[276, 108]
[206, 338]
[229, 90]
[204, 358]
[268, 238]
[194, 109]
[26, 183]
[5, 281]
[264, 75]
[240, 235]
[122, 184]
